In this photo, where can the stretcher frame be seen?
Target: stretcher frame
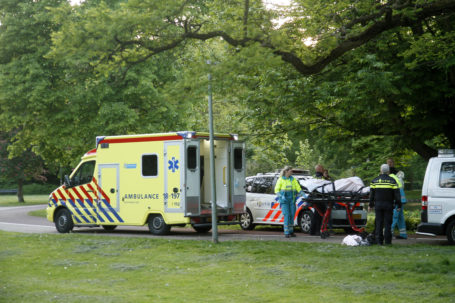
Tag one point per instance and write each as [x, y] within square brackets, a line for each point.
[348, 199]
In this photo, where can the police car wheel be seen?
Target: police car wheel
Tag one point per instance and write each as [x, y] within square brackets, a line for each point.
[246, 220]
[157, 226]
[451, 232]
[109, 227]
[306, 219]
[63, 221]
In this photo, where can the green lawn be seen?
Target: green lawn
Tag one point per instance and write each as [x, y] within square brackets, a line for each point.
[84, 268]
[11, 200]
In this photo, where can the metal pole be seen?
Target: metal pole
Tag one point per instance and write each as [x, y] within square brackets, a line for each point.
[212, 166]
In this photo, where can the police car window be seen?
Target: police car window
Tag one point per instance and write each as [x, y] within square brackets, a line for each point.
[238, 158]
[192, 157]
[149, 165]
[84, 174]
[447, 176]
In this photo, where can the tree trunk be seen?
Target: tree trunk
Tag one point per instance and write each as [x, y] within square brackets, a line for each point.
[20, 192]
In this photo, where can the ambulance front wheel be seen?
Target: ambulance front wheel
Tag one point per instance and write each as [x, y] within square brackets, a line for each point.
[157, 226]
[63, 221]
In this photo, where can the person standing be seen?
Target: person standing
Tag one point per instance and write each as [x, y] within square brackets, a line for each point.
[391, 165]
[384, 193]
[287, 188]
[398, 215]
[315, 228]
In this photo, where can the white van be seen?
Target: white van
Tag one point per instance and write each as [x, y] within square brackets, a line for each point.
[438, 196]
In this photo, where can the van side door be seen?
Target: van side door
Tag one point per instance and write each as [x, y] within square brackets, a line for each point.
[441, 192]
[174, 167]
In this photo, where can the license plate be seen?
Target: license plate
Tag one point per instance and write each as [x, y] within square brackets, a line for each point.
[357, 216]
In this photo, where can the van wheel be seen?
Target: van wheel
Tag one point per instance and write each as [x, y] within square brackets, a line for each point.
[246, 220]
[109, 227]
[63, 221]
[451, 232]
[157, 226]
[202, 229]
[306, 219]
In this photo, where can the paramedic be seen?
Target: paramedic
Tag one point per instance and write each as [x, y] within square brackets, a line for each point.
[317, 218]
[384, 192]
[287, 188]
[319, 171]
[391, 165]
[398, 216]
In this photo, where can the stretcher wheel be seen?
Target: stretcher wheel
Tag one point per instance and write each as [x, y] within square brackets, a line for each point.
[325, 235]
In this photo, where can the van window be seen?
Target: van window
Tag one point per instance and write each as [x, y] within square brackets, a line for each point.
[447, 176]
[149, 165]
[192, 157]
[238, 158]
[84, 174]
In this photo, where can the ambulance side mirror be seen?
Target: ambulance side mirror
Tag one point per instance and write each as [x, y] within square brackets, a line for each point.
[67, 181]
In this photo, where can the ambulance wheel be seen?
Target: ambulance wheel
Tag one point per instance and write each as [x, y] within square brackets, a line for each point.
[109, 227]
[246, 221]
[306, 219]
[202, 229]
[451, 232]
[157, 226]
[63, 221]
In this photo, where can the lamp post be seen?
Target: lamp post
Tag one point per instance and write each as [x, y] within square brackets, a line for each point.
[212, 164]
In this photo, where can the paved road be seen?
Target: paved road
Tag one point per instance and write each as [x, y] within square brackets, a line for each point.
[16, 219]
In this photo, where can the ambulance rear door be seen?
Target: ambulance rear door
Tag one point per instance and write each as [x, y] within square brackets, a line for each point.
[193, 178]
[237, 176]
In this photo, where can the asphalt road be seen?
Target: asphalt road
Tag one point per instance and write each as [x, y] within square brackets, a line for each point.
[16, 219]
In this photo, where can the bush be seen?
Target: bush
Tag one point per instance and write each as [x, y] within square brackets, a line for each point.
[38, 189]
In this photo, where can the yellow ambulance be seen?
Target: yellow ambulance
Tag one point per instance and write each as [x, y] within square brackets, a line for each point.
[162, 180]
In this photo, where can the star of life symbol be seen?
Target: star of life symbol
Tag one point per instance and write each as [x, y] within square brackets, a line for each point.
[173, 164]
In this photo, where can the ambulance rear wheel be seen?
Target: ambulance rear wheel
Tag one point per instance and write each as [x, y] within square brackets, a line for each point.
[109, 227]
[63, 221]
[157, 226]
[202, 229]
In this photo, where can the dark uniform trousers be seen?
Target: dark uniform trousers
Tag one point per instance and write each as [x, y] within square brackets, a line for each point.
[384, 216]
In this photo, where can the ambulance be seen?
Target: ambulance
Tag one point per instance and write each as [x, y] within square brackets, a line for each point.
[161, 180]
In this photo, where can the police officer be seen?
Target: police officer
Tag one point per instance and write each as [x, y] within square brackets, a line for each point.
[384, 193]
[287, 188]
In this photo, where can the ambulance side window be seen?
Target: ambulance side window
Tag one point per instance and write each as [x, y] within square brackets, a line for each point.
[84, 174]
[447, 176]
[149, 165]
[238, 158]
[192, 157]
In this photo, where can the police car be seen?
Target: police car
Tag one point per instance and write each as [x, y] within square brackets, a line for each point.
[263, 208]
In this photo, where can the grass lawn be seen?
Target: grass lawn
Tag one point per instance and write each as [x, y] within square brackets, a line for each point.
[11, 200]
[84, 268]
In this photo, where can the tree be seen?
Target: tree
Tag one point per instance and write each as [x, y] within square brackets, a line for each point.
[27, 166]
[336, 29]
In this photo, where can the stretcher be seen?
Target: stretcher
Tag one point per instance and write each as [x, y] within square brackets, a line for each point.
[323, 202]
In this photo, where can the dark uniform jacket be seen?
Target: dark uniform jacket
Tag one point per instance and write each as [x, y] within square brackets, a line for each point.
[384, 192]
